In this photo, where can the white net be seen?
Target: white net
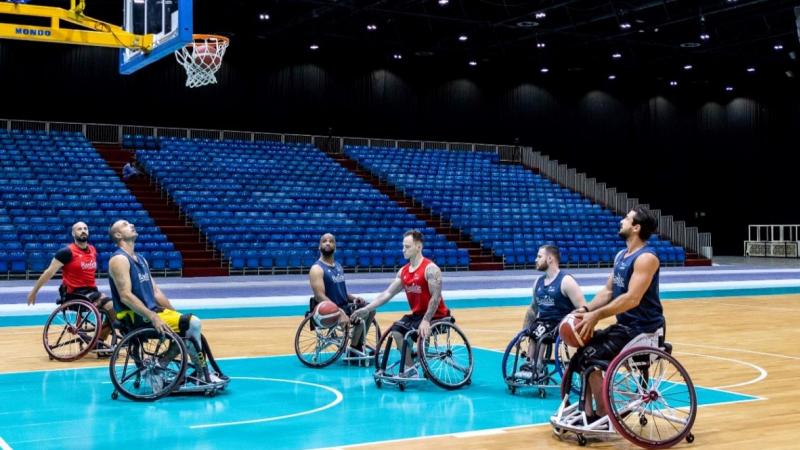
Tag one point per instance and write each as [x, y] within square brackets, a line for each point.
[202, 59]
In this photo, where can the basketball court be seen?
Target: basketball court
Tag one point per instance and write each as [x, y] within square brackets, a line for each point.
[742, 369]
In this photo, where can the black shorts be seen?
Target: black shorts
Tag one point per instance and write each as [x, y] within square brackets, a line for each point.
[90, 293]
[410, 322]
[604, 346]
[544, 329]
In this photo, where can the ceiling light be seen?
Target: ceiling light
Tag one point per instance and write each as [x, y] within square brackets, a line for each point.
[463, 37]
[313, 47]
[688, 67]
[778, 47]
[541, 45]
[704, 36]
[540, 15]
[443, 2]
[751, 69]
[473, 63]
[372, 27]
[544, 70]
[729, 88]
[612, 77]
[625, 25]
[263, 16]
[673, 83]
[617, 55]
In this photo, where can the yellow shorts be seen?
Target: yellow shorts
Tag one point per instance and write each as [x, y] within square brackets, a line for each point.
[170, 317]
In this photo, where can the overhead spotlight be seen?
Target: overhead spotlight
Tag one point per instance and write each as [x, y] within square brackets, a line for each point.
[704, 36]
[789, 74]
[540, 15]
[612, 77]
[688, 67]
[263, 16]
[397, 56]
[777, 47]
[372, 27]
[729, 88]
[673, 83]
[751, 69]
[616, 55]
[444, 2]
[625, 25]
[463, 37]
[313, 47]
[541, 45]
[473, 63]
[544, 70]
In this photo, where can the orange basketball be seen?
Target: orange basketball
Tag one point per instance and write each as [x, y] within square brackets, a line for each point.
[566, 329]
[327, 314]
[205, 54]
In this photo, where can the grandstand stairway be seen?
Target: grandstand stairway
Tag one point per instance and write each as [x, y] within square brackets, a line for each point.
[198, 261]
[480, 258]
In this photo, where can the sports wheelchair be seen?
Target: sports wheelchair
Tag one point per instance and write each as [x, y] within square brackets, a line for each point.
[649, 397]
[444, 357]
[147, 365]
[543, 369]
[74, 329]
[317, 346]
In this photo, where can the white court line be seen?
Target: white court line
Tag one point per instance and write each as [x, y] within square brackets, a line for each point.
[762, 373]
[776, 355]
[4, 445]
[335, 402]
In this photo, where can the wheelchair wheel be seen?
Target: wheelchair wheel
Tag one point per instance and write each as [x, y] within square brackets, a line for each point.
[446, 356]
[649, 397]
[514, 357]
[571, 384]
[146, 365]
[319, 347]
[72, 330]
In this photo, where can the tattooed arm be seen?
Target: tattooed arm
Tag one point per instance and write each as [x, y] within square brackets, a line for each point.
[434, 277]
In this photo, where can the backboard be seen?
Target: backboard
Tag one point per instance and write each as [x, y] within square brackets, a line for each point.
[170, 23]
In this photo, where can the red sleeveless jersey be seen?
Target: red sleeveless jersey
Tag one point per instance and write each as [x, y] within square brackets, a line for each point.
[417, 291]
[80, 270]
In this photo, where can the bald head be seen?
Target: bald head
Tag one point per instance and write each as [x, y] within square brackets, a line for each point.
[327, 245]
[80, 232]
[122, 230]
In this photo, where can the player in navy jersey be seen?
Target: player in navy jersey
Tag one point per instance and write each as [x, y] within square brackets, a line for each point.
[555, 294]
[631, 295]
[327, 281]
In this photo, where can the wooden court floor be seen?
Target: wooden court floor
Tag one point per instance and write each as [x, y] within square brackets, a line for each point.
[743, 344]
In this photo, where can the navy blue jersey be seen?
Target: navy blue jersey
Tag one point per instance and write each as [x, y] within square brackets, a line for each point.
[141, 284]
[550, 302]
[648, 316]
[333, 277]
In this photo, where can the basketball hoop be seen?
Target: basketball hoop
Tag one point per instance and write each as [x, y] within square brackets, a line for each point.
[202, 59]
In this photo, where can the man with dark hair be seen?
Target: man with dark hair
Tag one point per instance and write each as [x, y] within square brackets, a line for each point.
[327, 281]
[78, 264]
[555, 294]
[422, 281]
[631, 294]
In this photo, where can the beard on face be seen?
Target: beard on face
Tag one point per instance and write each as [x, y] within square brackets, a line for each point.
[326, 252]
[624, 234]
[82, 239]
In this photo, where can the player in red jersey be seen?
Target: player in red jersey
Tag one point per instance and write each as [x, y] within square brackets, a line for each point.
[78, 264]
[421, 279]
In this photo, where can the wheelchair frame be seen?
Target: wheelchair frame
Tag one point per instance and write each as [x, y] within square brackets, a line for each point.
[83, 323]
[392, 374]
[639, 355]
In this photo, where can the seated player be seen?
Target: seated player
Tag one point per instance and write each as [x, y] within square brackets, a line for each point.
[327, 281]
[555, 294]
[138, 300]
[421, 278]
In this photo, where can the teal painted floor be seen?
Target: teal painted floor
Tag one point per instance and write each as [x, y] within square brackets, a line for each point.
[272, 402]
